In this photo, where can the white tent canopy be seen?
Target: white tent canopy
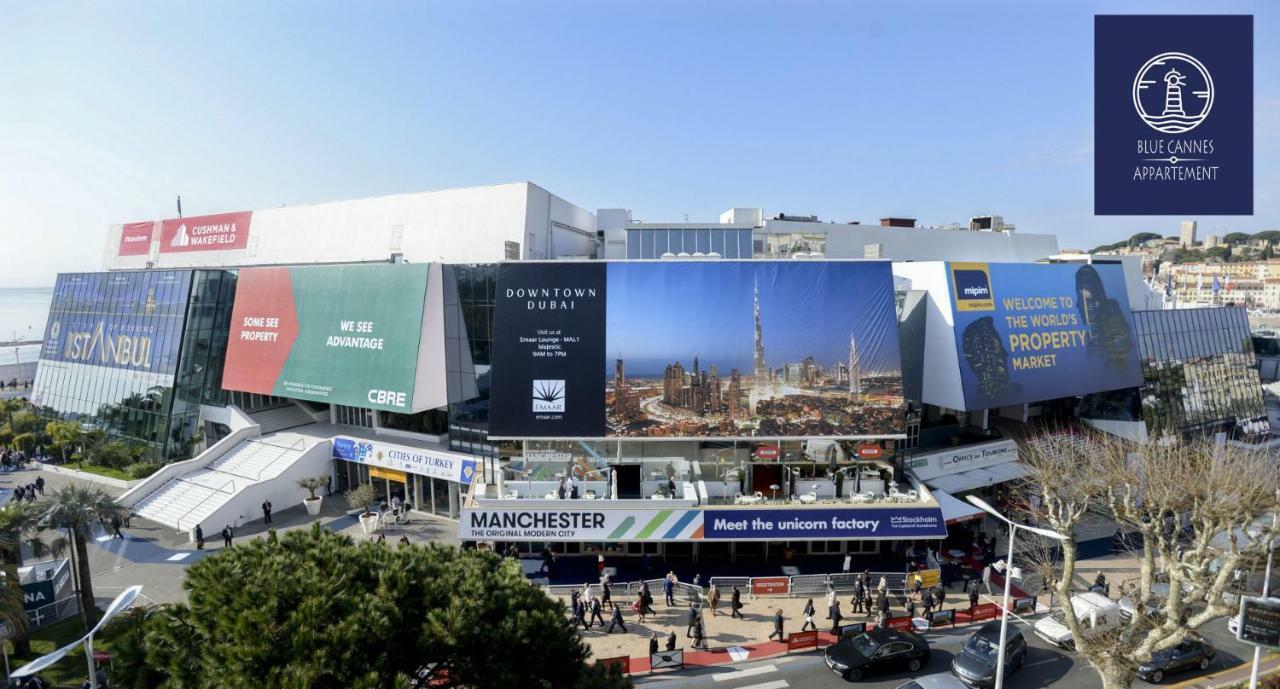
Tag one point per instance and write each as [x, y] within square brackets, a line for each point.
[953, 509]
[978, 478]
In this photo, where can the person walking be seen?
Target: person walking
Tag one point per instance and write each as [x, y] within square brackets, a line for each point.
[266, 511]
[115, 527]
[582, 614]
[671, 640]
[653, 644]
[669, 587]
[809, 612]
[973, 598]
[777, 625]
[835, 618]
[616, 620]
[883, 605]
[693, 619]
[713, 599]
[596, 608]
[859, 592]
[866, 602]
[699, 636]
[647, 598]
[227, 535]
[939, 597]
[911, 605]
[831, 596]
[199, 538]
[735, 603]
[927, 604]
[606, 593]
[883, 585]
[40, 484]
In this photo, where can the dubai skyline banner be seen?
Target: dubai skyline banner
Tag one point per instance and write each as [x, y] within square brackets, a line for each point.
[337, 334]
[723, 349]
[1028, 332]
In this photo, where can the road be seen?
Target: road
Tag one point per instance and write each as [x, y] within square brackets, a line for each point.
[1045, 665]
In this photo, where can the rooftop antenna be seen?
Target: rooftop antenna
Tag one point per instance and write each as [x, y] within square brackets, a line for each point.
[179, 205]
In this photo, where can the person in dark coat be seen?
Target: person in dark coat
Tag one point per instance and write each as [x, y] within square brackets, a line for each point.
[693, 619]
[973, 598]
[596, 608]
[40, 484]
[835, 618]
[866, 602]
[939, 597]
[809, 612]
[699, 636]
[735, 603]
[671, 641]
[606, 595]
[777, 625]
[227, 535]
[911, 607]
[266, 511]
[582, 615]
[115, 527]
[616, 621]
[859, 592]
[653, 643]
[199, 538]
[927, 604]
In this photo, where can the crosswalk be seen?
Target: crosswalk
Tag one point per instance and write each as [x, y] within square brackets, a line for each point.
[760, 672]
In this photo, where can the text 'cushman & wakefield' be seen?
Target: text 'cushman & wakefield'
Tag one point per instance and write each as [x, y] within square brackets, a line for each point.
[551, 298]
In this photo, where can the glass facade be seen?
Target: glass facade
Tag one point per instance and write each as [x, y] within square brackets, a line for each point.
[468, 330]
[136, 353]
[654, 242]
[1200, 373]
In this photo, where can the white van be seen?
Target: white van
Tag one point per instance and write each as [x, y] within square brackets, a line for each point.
[1097, 614]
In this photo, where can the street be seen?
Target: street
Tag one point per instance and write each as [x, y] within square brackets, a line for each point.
[1045, 666]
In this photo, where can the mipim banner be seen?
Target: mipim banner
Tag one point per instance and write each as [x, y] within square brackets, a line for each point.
[338, 334]
[696, 349]
[689, 524]
[206, 232]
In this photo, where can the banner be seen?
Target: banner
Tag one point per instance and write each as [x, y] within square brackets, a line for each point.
[338, 334]
[135, 238]
[935, 464]
[579, 523]
[715, 349]
[1029, 332]
[206, 232]
[439, 464]
[792, 524]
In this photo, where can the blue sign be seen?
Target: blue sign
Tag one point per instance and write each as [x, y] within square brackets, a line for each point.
[784, 524]
[1173, 115]
[422, 461]
[1043, 331]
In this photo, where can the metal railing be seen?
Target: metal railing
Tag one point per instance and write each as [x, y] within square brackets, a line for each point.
[231, 482]
[800, 585]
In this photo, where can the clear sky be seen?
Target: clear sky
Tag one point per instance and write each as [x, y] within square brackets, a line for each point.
[850, 110]
[667, 312]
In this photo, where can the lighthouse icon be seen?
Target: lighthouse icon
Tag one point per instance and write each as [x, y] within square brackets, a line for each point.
[1173, 93]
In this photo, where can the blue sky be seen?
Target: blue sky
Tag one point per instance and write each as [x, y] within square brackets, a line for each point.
[850, 110]
[666, 312]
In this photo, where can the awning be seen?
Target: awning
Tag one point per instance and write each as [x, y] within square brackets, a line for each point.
[954, 509]
[979, 478]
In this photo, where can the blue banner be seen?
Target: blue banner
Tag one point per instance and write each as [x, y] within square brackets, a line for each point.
[440, 464]
[1030, 332]
[789, 523]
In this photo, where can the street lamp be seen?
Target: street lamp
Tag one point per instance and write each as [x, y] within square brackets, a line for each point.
[1008, 574]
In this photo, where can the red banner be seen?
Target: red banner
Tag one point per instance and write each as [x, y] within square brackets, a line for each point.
[770, 586]
[206, 232]
[135, 238]
[798, 640]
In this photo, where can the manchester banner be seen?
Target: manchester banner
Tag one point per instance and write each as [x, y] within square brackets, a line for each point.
[722, 349]
[579, 523]
[338, 334]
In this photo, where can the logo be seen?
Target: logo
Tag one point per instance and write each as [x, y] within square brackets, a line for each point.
[55, 329]
[388, 397]
[1173, 93]
[181, 238]
[972, 284]
[468, 471]
[548, 395]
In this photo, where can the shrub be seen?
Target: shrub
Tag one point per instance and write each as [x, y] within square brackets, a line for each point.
[139, 470]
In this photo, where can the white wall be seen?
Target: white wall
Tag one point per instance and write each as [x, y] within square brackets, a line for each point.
[468, 225]
[283, 491]
[913, 244]
[940, 384]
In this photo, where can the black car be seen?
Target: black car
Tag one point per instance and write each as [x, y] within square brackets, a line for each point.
[1194, 652]
[975, 664]
[877, 651]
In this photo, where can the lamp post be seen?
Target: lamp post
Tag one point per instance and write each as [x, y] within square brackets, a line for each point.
[1008, 574]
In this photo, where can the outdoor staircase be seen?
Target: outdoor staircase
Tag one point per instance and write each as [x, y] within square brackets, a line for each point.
[280, 418]
[187, 500]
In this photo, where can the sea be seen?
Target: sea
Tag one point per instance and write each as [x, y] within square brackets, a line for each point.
[23, 312]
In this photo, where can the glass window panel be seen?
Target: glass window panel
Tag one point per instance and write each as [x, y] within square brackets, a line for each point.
[633, 244]
[744, 244]
[690, 241]
[647, 248]
[704, 241]
[659, 243]
[717, 241]
[731, 244]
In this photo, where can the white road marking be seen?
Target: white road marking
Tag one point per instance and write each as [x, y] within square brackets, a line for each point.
[747, 672]
[777, 684]
[176, 557]
[103, 538]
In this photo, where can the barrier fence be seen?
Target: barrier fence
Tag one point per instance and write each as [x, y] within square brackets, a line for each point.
[799, 585]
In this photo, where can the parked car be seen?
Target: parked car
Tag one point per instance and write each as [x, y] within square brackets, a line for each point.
[1097, 614]
[875, 652]
[975, 664]
[1194, 652]
[939, 681]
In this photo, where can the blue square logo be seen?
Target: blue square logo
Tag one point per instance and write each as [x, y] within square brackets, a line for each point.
[1173, 115]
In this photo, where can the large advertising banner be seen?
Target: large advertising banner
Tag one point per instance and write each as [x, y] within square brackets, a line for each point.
[1028, 332]
[584, 523]
[449, 466]
[337, 334]
[135, 238]
[206, 232]
[724, 349]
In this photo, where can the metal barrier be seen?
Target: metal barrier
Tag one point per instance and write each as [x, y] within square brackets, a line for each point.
[810, 584]
[53, 612]
[666, 659]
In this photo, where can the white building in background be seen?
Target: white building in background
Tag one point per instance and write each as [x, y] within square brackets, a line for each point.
[1187, 234]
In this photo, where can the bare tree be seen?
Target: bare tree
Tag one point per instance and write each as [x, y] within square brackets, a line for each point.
[1200, 512]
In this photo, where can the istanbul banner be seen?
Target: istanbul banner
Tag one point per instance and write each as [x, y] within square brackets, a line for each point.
[724, 349]
[1028, 332]
[338, 334]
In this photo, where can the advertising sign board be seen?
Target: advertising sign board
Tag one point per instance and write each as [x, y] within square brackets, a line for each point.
[450, 466]
[949, 461]
[1259, 621]
[218, 232]
[338, 334]
[579, 523]
[725, 349]
[770, 586]
[135, 238]
[830, 522]
[1029, 332]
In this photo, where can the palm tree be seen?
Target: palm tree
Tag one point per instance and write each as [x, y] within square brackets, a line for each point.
[19, 525]
[78, 511]
[13, 611]
[8, 407]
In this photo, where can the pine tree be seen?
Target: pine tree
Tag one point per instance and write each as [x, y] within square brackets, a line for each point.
[315, 609]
